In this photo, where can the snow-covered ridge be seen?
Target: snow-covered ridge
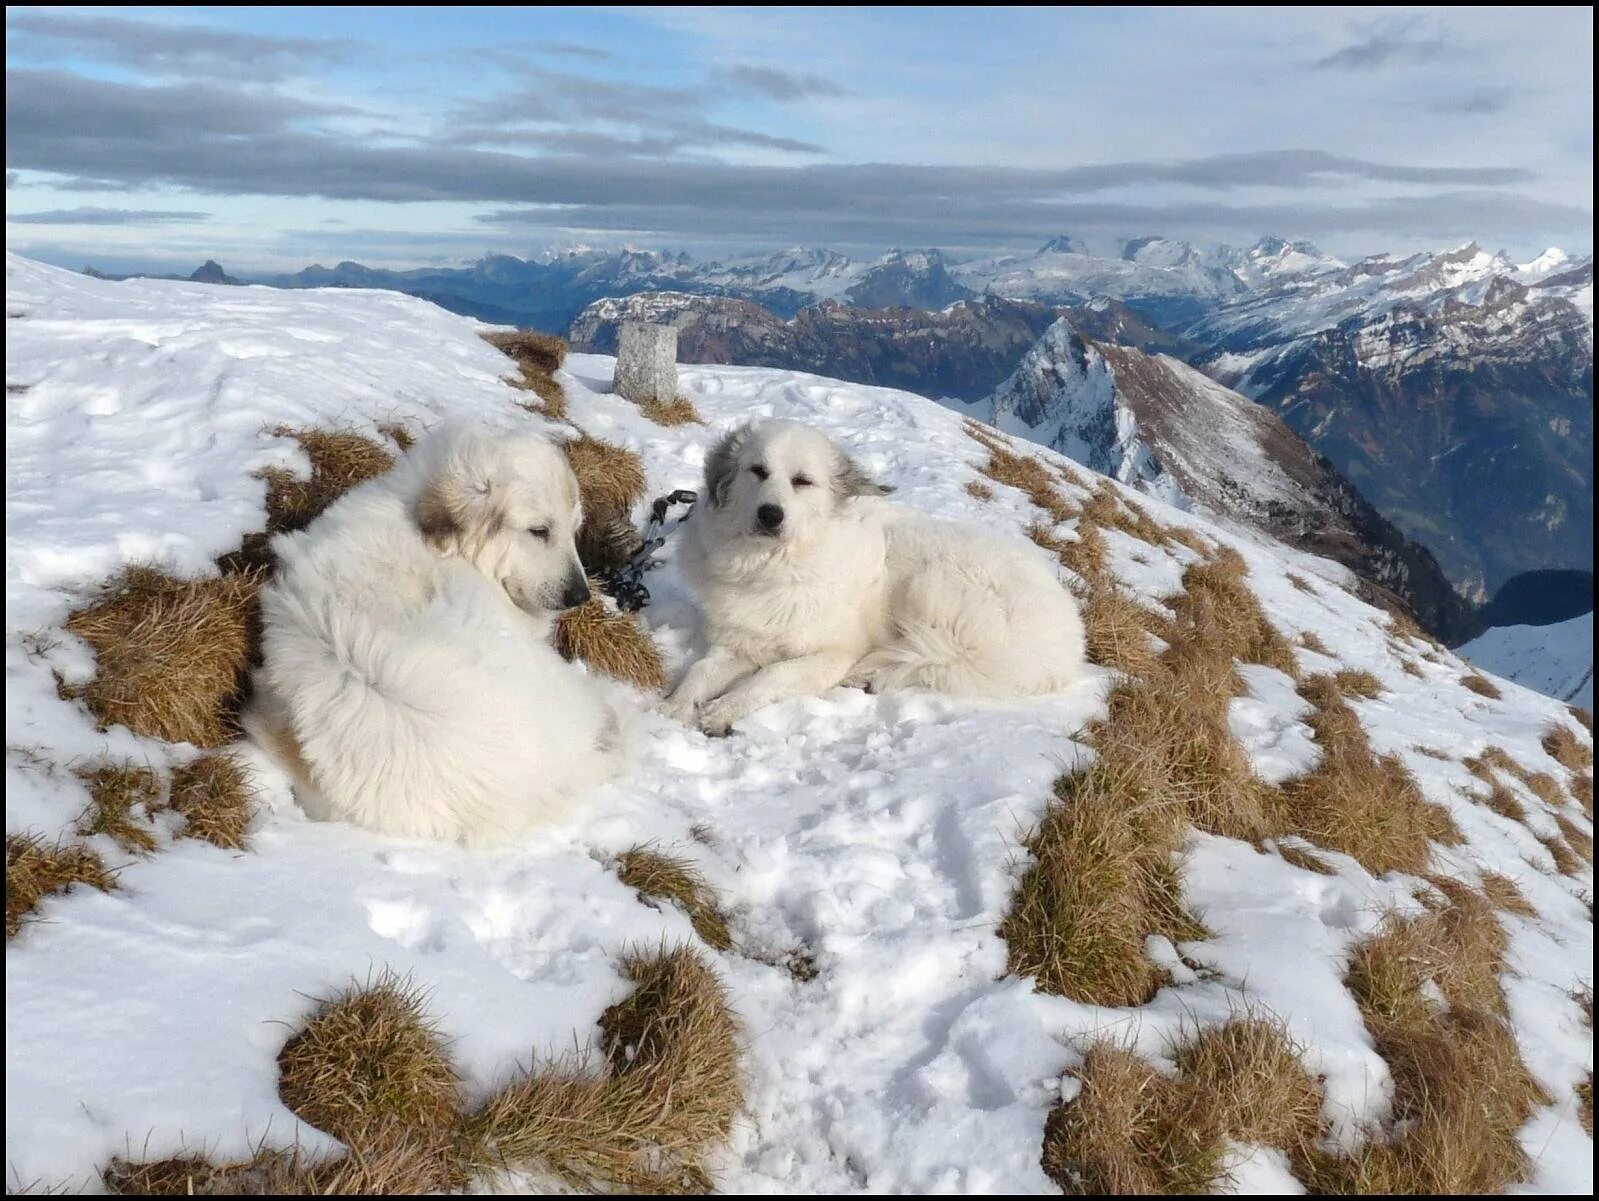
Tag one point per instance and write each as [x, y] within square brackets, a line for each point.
[867, 830]
[1556, 659]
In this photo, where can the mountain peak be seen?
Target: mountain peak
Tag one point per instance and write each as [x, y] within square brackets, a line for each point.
[1063, 244]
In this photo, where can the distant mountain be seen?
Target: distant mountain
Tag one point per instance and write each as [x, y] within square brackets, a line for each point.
[959, 351]
[1454, 389]
[208, 272]
[1155, 423]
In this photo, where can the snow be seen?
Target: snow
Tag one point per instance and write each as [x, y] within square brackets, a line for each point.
[879, 835]
[1556, 659]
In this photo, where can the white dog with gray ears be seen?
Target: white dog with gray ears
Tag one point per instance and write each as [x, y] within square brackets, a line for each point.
[408, 683]
[807, 579]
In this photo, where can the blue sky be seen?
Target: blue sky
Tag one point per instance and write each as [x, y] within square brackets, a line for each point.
[270, 138]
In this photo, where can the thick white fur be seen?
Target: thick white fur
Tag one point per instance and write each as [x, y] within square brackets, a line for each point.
[853, 588]
[408, 682]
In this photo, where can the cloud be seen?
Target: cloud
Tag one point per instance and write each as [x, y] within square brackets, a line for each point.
[779, 85]
[88, 215]
[179, 51]
[573, 50]
[1477, 103]
[667, 118]
[1383, 42]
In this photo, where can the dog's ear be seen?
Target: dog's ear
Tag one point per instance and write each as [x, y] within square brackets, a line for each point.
[455, 511]
[850, 480]
[721, 465]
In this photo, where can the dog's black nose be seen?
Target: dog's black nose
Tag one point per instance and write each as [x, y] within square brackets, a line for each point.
[577, 593]
[770, 516]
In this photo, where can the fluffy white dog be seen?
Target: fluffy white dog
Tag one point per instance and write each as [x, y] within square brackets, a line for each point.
[806, 579]
[408, 683]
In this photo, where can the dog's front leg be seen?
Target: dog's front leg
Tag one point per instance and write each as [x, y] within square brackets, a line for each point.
[809, 675]
[710, 676]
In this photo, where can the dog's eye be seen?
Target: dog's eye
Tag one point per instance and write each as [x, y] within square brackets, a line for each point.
[759, 472]
[541, 532]
[800, 481]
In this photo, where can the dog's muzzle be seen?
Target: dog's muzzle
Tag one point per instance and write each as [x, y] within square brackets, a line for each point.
[769, 519]
[576, 593]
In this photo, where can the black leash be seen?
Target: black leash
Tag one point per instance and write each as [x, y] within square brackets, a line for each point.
[625, 584]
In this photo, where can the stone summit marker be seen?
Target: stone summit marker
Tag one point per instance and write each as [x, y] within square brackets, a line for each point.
[646, 362]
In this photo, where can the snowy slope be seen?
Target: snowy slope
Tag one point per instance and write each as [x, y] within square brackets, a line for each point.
[863, 830]
[1554, 659]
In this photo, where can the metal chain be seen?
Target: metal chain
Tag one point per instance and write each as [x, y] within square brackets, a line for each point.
[625, 584]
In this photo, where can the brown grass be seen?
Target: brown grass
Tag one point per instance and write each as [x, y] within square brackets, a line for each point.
[1578, 839]
[1581, 788]
[1411, 668]
[679, 410]
[1218, 607]
[1541, 784]
[1481, 685]
[122, 799]
[979, 490]
[611, 480]
[1311, 641]
[35, 869]
[1499, 798]
[215, 798]
[370, 1069]
[669, 1089]
[1102, 880]
[1109, 510]
[1302, 858]
[1299, 582]
[610, 641]
[1117, 630]
[1504, 894]
[1581, 716]
[1565, 748]
[678, 882]
[394, 1167]
[538, 357]
[545, 352]
[170, 654]
[398, 434]
[1584, 1091]
[340, 459]
[1022, 472]
[1358, 683]
[1355, 801]
[1134, 1130]
[1461, 1092]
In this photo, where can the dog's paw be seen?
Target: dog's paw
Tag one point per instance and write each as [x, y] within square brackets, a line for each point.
[678, 709]
[716, 719]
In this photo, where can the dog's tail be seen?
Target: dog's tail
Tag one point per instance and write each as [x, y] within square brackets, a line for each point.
[447, 727]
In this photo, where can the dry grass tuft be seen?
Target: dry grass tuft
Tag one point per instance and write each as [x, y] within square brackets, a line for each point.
[1302, 858]
[1578, 839]
[1102, 880]
[668, 878]
[35, 869]
[1504, 894]
[1581, 716]
[1499, 798]
[670, 1088]
[1086, 555]
[1109, 510]
[1581, 788]
[1481, 685]
[1584, 1092]
[1022, 472]
[538, 357]
[1355, 801]
[170, 654]
[679, 410]
[1117, 630]
[1221, 610]
[1566, 749]
[214, 796]
[340, 459]
[1411, 668]
[398, 434]
[1541, 784]
[611, 479]
[122, 798]
[1311, 641]
[1134, 1130]
[1359, 683]
[393, 1167]
[368, 1065]
[979, 490]
[545, 352]
[1300, 582]
[1461, 1092]
[610, 641]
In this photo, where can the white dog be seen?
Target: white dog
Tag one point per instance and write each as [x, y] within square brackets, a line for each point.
[806, 579]
[408, 683]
